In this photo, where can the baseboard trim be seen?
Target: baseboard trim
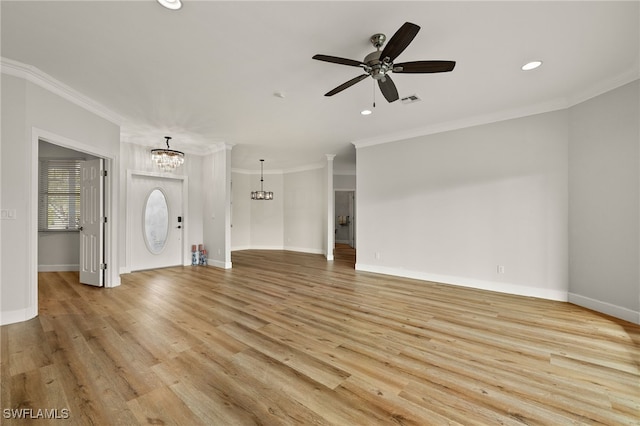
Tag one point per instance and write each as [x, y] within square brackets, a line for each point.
[288, 248]
[605, 308]
[58, 268]
[304, 250]
[18, 315]
[499, 287]
[219, 264]
[265, 248]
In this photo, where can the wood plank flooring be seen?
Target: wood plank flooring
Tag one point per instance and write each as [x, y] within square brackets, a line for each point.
[287, 338]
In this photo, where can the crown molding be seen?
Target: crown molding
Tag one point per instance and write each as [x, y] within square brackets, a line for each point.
[256, 172]
[553, 105]
[44, 80]
[626, 77]
[605, 86]
[306, 168]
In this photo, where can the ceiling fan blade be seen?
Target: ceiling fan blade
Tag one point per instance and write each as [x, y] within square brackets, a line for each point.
[424, 66]
[400, 40]
[336, 60]
[347, 85]
[388, 89]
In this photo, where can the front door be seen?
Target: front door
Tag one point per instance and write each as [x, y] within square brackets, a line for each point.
[157, 222]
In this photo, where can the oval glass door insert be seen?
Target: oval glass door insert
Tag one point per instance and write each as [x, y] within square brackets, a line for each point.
[156, 221]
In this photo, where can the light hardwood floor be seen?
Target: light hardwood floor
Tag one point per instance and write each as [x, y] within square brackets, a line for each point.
[287, 338]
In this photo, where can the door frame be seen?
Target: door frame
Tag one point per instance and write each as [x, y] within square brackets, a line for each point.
[130, 213]
[112, 278]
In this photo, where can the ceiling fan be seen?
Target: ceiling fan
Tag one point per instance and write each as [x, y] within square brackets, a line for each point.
[379, 64]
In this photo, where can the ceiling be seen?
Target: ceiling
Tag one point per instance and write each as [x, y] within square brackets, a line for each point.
[209, 72]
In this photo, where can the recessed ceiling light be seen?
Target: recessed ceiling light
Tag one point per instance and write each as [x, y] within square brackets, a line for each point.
[171, 4]
[365, 112]
[531, 65]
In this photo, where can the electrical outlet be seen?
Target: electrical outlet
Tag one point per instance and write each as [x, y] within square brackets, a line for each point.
[500, 269]
[8, 214]
[377, 255]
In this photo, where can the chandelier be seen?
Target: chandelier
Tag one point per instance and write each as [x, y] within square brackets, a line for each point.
[167, 159]
[262, 194]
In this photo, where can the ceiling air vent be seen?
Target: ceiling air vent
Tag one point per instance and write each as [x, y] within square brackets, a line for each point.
[410, 99]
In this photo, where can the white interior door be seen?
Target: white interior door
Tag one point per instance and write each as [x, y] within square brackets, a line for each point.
[156, 222]
[92, 222]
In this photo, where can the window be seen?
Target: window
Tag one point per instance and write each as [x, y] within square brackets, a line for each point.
[59, 205]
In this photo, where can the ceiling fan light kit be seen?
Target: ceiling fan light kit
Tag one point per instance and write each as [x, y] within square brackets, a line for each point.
[171, 4]
[380, 63]
[531, 65]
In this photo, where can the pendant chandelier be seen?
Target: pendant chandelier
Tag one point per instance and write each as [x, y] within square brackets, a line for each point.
[262, 194]
[167, 159]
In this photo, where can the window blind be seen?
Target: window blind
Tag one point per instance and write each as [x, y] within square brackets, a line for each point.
[59, 203]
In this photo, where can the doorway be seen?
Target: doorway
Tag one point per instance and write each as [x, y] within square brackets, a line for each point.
[345, 218]
[156, 221]
[111, 262]
[345, 227]
[71, 215]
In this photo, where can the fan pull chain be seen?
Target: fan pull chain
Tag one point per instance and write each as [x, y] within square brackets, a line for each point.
[374, 93]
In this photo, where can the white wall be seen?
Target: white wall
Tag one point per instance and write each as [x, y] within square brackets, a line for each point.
[240, 211]
[452, 207]
[294, 220]
[137, 158]
[604, 212]
[267, 217]
[303, 229]
[29, 110]
[216, 192]
[15, 153]
[344, 182]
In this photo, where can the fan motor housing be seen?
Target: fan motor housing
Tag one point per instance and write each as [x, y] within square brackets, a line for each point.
[377, 68]
[372, 58]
